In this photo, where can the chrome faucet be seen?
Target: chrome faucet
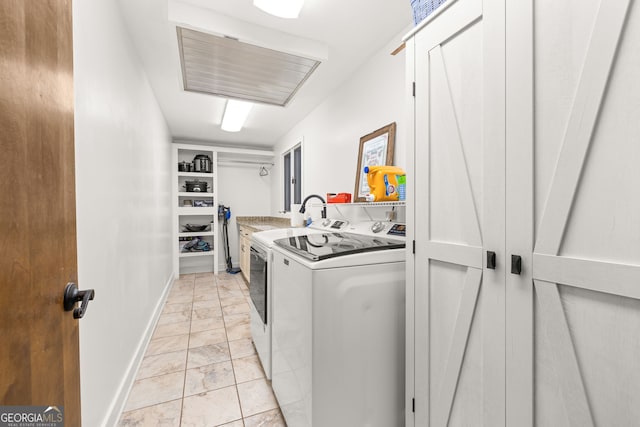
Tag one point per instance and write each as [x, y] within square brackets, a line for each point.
[324, 208]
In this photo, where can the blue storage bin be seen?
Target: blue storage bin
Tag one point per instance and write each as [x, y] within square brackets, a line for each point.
[424, 8]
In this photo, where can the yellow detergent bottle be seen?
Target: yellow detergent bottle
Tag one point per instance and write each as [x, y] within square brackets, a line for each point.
[386, 183]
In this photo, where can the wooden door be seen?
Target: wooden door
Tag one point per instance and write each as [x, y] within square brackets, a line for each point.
[575, 311]
[458, 363]
[39, 353]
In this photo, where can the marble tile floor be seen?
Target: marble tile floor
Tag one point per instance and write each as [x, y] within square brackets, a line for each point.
[201, 368]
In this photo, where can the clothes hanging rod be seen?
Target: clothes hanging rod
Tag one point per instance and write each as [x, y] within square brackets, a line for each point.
[246, 162]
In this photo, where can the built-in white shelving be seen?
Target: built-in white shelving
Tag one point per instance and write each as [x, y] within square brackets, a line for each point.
[184, 202]
[195, 174]
[196, 254]
[196, 211]
[196, 233]
[195, 195]
[185, 211]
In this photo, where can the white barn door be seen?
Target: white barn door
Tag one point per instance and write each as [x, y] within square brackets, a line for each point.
[459, 304]
[574, 312]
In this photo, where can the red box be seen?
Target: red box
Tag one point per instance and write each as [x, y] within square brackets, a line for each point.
[339, 198]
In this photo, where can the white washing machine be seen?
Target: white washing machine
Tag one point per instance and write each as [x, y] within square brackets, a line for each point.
[338, 326]
[260, 287]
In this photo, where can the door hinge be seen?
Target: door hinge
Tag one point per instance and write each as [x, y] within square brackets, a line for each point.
[413, 405]
[414, 89]
[414, 246]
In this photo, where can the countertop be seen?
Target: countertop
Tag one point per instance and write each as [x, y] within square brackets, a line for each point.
[262, 223]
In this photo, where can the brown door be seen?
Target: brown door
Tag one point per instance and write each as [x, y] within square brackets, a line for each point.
[39, 361]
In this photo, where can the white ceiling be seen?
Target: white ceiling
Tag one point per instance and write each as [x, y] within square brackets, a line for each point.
[341, 33]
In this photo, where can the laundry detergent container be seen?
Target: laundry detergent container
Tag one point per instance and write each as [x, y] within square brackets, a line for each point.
[386, 183]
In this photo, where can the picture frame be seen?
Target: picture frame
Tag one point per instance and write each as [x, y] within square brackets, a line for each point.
[375, 149]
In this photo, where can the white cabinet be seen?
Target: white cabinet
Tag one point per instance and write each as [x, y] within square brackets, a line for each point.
[195, 206]
[526, 127]
[245, 252]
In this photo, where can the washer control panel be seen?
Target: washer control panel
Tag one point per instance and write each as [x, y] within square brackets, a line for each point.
[329, 224]
[338, 225]
[398, 230]
[391, 229]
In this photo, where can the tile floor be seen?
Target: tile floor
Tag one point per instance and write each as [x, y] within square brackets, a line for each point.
[201, 368]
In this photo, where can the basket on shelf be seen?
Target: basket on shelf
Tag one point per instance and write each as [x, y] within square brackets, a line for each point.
[424, 8]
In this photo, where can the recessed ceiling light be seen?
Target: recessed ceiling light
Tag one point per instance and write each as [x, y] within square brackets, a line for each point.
[235, 114]
[282, 8]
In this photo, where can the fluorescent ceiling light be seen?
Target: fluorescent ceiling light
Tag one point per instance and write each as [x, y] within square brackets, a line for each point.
[235, 114]
[233, 69]
[281, 8]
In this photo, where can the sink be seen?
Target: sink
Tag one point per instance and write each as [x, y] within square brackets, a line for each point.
[264, 227]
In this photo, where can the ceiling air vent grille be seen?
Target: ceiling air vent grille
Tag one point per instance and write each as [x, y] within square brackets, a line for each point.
[229, 68]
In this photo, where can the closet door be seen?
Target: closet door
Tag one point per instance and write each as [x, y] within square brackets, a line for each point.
[578, 317]
[458, 216]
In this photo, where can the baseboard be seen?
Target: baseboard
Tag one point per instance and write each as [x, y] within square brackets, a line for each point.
[120, 400]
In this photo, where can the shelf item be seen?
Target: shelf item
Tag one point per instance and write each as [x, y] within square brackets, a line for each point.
[196, 227]
[338, 198]
[196, 202]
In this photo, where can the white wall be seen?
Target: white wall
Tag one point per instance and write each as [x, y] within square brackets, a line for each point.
[123, 205]
[370, 99]
[248, 194]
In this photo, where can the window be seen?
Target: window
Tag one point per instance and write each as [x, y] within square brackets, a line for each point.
[292, 167]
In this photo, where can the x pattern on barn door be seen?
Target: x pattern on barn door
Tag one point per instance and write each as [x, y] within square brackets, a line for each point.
[466, 255]
[449, 211]
[582, 286]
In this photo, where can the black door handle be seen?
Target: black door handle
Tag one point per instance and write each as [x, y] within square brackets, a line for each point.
[491, 260]
[72, 295]
[516, 264]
